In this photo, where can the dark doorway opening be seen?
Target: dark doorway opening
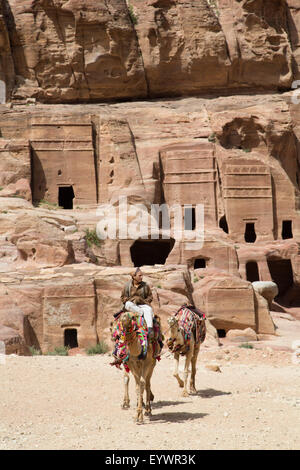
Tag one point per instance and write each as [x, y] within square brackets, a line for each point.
[223, 224]
[65, 197]
[250, 234]
[252, 271]
[287, 230]
[199, 263]
[70, 338]
[150, 252]
[282, 274]
[38, 178]
[189, 218]
[221, 333]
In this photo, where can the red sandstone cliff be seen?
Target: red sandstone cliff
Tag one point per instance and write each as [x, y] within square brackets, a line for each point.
[224, 133]
[74, 50]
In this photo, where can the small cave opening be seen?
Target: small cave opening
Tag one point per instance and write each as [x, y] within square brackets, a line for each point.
[252, 272]
[223, 224]
[65, 197]
[250, 234]
[151, 252]
[70, 338]
[287, 229]
[199, 263]
[281, 272]
[221, 333]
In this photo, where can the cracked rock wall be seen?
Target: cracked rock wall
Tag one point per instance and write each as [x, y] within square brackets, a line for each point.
[77, 51]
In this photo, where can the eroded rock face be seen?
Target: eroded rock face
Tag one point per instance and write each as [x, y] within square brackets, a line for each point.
[14, 343]
[242, 336]
[74, 50]
[7, 71]
[15, 168]
[13, 331]
[183, 46]
[257, 35]
[293, 17]
[41, 243]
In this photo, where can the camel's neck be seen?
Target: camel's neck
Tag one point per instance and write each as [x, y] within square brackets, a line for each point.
[134, 346]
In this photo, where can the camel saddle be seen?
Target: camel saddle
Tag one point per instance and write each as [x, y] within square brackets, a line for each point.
[194, 309]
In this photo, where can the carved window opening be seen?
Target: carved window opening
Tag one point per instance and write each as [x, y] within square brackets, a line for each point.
[199, 263]
[223, 224]
[250, 234]
[151, 252]
[281, 272]
[70, 338]
[252, 272]
[65, 197]
[189, 218]
[287, 230]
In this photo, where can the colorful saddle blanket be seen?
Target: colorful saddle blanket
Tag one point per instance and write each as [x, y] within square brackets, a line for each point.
[191, 321]
[138, 324]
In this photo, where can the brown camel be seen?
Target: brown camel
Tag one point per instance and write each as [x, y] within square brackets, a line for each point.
[142, 369]
[178, 345]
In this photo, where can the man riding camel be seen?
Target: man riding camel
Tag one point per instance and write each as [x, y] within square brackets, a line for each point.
[137, 297]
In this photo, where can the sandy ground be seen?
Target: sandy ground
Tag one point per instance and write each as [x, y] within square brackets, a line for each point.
[51, 402]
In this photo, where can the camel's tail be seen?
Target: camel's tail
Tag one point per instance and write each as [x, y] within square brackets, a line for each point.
[202, 332]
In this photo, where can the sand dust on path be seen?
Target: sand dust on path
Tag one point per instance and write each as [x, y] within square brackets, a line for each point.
[52, 402]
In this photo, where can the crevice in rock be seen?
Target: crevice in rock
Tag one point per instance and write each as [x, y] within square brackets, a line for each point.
[140, 52]
[11, 33]
[96, 157]
[136, 154]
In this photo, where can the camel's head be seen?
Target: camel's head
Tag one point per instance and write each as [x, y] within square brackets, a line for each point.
[176, 337]
[126, 320]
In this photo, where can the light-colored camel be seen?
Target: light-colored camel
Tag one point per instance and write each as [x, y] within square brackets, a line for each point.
[141, 369]
[126, 376]
[178, 346]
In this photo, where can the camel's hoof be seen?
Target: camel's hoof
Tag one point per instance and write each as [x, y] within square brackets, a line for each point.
[139, 421]
[181, 384]
[125, 406]
[185, 394]
[148, 413]
[193, 391]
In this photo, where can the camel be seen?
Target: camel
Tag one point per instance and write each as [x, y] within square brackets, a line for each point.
[142, 369]
[178, 345]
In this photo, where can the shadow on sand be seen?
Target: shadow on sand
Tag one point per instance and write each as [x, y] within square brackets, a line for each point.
[210, 393]
[161, 403]
[176, 417]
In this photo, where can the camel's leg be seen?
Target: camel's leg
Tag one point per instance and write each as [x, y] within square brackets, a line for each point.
[137, 389]
[193, 373]
[148, 397]
[140, 390]
[188, 358]
[126, 401]
[149, 394]
[176, 375]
